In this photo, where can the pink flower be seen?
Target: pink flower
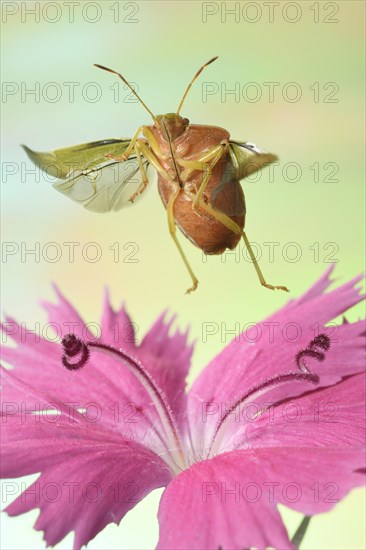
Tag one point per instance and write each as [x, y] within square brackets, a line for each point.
[276, 417]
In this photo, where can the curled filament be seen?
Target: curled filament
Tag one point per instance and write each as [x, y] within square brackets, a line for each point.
[76, 352]
[316, 349]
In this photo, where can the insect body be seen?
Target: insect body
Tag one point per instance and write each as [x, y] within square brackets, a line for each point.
[198, 168]
[227, 197]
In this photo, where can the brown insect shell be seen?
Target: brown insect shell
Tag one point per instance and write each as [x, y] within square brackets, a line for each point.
[223, 190]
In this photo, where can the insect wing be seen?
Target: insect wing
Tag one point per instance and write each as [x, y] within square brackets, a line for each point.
[62, 162]
[88, 178]
[247, 158]
[107, 187]
[228, 195]
[244, 159]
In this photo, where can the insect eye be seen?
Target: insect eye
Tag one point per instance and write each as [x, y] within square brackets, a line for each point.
[185, 121]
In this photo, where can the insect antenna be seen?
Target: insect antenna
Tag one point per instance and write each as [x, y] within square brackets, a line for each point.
[193, 79]
[127, 84]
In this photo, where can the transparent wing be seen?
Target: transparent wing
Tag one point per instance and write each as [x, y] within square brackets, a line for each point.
[107, 187]
[88, 178]
[247, 158]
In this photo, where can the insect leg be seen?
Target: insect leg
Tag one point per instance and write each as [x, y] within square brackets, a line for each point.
[142, 149]
[145, 181]
[149, 155]
[172, 231]
[130, 148]
[257, 268]
[202, 163]
[230, 224]
[216, 154]
[198, 163]
[153, 142]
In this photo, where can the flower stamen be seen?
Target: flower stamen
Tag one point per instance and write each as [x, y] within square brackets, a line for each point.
[315, 349]
[257, 392]
[73, 346]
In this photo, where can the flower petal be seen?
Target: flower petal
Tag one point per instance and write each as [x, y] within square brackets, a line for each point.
[124, 417]
[318, 288]
[168, 358]
[230, 500]
[117, 329]
[65, 317]
[90, 477]
[37, 361]
[203, 508]
[104, 387]
[110, 380]
[329, 417]
[270, 348]
[104, 381]
[309, 480]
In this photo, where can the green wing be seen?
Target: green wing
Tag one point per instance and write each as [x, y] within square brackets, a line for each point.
[61, 162]
[88, 178]
[247, 158]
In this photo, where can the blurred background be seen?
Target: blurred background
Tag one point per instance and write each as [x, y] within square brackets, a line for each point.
[290, 78]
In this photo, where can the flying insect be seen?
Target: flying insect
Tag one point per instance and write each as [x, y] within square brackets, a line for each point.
[198, 170]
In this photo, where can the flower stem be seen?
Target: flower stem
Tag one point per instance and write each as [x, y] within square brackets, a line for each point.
[300, 531]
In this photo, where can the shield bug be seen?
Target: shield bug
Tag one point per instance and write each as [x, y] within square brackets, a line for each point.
[199, 168]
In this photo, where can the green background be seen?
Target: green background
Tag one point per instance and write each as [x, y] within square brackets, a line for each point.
[159, 46]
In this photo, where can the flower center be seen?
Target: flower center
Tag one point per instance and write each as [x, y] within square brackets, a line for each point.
[77, 354]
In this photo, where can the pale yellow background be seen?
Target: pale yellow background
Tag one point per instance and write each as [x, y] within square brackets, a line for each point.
[160, 52]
